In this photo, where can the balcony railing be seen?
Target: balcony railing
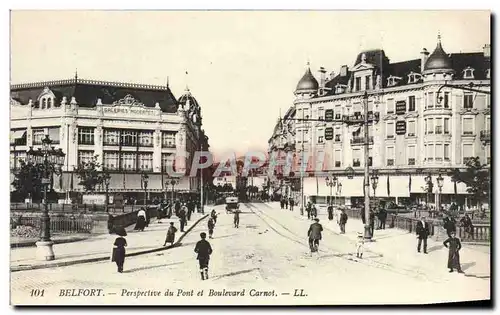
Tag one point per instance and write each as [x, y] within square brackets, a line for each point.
[467, 133]
[360, 117]
[361, 140]
[168, 145]
[485, 135]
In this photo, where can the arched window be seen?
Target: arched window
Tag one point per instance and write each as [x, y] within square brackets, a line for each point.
[49, 102]
[468, 73]
[44, 103]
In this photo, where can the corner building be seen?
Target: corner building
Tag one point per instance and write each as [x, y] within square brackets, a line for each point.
[426, 124]
[132, 128]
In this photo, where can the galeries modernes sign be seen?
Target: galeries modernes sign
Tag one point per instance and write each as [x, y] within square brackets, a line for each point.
[129, 110]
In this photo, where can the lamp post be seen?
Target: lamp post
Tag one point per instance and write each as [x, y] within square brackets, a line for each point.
[440, 182]
[49, 161]
[374, 180]
[106, 178]
[145, 178]
[428, 181]
[173, 182]
[331, 182]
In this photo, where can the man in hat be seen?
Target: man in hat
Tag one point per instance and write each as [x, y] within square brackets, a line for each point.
[423, 231]
[453, 244]
[314, 235]
[204, 250]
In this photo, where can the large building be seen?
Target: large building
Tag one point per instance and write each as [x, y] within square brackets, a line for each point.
[426, 122]
[131, 128]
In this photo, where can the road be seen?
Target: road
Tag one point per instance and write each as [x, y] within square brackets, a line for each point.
[267, 256]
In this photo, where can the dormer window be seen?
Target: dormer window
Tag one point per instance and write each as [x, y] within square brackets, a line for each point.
[488, 74]
[340, 88]
[414, 77]
[46, 99]
[392, 80]
[468, 73]
[44, 103]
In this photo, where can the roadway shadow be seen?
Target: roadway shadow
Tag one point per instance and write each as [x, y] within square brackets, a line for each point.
[466, 266]
[435, 248]
[151, 267]
[235, 273]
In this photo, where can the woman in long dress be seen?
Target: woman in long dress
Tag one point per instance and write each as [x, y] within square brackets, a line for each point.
[170, 234]
[453, 244]
[119, 245]
[141, 220]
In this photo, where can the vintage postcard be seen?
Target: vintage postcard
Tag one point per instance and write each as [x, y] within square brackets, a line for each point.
[250, 157]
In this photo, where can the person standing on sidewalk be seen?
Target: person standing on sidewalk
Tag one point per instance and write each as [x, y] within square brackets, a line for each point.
[314, 212]
[449, 225]
[170, 235]
[282, 203]
[204, 250]
[213, 216]
[308, 209]
[382, 217]
[372, 221]
[118, 254]
[292, 203]
[453, 244]
[466, 222]
[360, 245]
[211, 226]
[236, 218]
[342, 221]
[141, 220]
[423, 232]
[190, 209]
[314, 235]
[286, 202]
[182, 218]
[330, 212]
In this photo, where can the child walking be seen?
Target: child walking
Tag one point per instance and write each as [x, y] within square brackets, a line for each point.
[360, 245]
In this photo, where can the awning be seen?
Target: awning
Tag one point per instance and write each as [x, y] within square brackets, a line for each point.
[351, 187]
[310, 186]
[418, 185]
[18, 134]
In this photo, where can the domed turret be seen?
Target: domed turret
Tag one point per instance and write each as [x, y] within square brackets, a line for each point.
[188, 96]
[438, 61]
[308, 83]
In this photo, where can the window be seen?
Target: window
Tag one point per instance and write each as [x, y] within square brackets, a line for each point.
[488, 74]
[468, 126]
[44, 103]
[111, 137]
[356, 155]
[411, 128]
[145, 161]
[430, 125]
[86, 135]
[85, 156]
[367, 82]
[337, 138]
[468, 152]
[390, 129]
[446, 153]
[411, 103]
[487, 150]
[487, 123]
[167, 159]
[128, 161]
[146, 139]
[38, 135]
[321, 113]
[49, 102]
[469, 73]
[338, 158]
[357, 85]
[320, 139]
[439, 152]
[446, 126]
[430, 100]
[390, 106]
[111, 160]
[16, 158]
[168, 139]
[488, 101]
[439, 126]
[468, 100]
[430, 152]
[411, 155]
[390, 156]
[129, 138]
[446, 100]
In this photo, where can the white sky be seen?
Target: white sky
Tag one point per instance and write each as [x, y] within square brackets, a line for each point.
[243, 66]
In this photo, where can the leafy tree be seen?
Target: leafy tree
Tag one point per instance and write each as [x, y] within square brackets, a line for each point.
[28, 180]
[477, 179]
[89, 174]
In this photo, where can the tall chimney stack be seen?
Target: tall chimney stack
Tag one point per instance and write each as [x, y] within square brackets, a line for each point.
[424, 54]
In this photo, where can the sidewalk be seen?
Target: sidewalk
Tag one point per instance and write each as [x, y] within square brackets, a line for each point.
[99, 248]
[400, 247]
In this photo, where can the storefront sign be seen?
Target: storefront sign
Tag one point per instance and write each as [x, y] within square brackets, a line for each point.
[400, 107]
[400, 127]
[126, 110]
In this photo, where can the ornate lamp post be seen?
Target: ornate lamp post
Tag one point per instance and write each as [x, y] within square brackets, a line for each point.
[106, 178]
[173, 182]
[49, 161]
[145, 178]
[440, 182]
[332, 182]
[374, 180]
[428, 181]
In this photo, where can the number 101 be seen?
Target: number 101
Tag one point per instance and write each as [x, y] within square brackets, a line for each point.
[37, 292]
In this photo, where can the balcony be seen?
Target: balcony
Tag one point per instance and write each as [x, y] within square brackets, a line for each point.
[390, 162]
[485, 135]
[361, 140]
[360, 118]
[168, 145]
[411, 161]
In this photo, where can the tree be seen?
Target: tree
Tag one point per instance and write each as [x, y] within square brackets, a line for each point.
[477, 179]
[89, 174]
[28, 180]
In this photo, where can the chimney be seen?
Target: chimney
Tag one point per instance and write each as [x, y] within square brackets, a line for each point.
[343, 71]
[424, 54]
[487, 50]
[322, 77]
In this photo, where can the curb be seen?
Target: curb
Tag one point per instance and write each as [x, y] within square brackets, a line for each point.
[32, 244]
[96, 259]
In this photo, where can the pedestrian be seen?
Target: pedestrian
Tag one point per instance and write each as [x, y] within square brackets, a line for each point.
[449, 225]
[182, 218]
[292, 203]
[314, 212]
[170, 235]
[362, 215]
[213, 215]
[314, 234]
[204, 250]
[118, 254]
[211, 225]
[453, 244]
[282, 203]
[423, 232]
[342, 221]
[162, 211]
[177, 207]
[110, 224]
[360, 245]
[330, 212]
[236, 218]
[141, 220]
[308, 209]
[372, 222]
[466, 222]
[286, 202]
[190, 208]
[382, 217]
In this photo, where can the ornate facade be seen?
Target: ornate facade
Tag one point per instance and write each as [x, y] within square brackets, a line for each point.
[132, 129]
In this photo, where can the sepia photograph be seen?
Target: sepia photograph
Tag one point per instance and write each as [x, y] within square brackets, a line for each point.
[250, 158]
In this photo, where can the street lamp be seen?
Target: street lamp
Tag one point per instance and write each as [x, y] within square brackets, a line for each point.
[428, 181]
[49, 161]
[440, 182]
[331, 182]
[172, 182]
[145, 178]
[374, 183]
[106, 178]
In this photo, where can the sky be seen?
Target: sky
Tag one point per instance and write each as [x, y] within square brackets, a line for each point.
[243, 66]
